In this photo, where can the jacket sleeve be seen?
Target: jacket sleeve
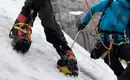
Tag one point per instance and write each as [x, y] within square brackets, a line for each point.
[128, 31]
[99, 7]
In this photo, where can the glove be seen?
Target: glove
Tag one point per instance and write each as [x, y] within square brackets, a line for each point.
[81, 26]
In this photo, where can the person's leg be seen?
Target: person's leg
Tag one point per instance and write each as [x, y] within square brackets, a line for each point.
[54, 34]
[21, 30]
[98, 51]
[51, 27]
[124, 51]
[27, 14]
[115, 65]
[126, 74]
[99, 48]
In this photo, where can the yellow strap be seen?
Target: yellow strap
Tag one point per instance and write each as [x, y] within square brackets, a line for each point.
[108, 52]
[23, 30]
[21, 24]
[18, 26]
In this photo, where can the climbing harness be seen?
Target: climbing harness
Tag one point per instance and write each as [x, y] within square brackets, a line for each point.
[98, 35]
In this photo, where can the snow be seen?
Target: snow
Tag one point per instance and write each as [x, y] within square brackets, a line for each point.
[76, 12]
[40, 62]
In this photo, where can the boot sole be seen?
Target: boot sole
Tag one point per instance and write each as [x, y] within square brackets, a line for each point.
[66, 71]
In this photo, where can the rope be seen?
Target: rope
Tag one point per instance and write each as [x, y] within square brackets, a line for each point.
[99, 36]
[92, 21]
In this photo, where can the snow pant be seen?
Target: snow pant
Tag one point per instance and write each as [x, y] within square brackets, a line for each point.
[122, 51]
[125, 49]
[52, 30]
[126, 74]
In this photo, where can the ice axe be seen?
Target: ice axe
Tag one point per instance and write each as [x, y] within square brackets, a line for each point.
[75, 38]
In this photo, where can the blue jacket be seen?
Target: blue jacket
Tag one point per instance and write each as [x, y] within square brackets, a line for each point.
[116, 17]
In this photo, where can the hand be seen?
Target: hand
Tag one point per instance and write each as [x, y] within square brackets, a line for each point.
[81, 26]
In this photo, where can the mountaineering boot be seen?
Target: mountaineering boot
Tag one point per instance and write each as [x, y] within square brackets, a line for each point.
[68, 63]
[21, 45]
[21, 34]
[67, 67]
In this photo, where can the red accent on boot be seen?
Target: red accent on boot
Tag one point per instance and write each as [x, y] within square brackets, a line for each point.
[19, 34]
[11, 36]
[21, 18]
[70, 54]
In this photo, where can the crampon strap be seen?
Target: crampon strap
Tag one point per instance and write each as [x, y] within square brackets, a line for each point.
[22, 28]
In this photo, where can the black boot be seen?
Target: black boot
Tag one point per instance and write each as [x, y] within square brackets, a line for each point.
[21, 35]
[21, 45]
[68, 63]
[68, 67]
